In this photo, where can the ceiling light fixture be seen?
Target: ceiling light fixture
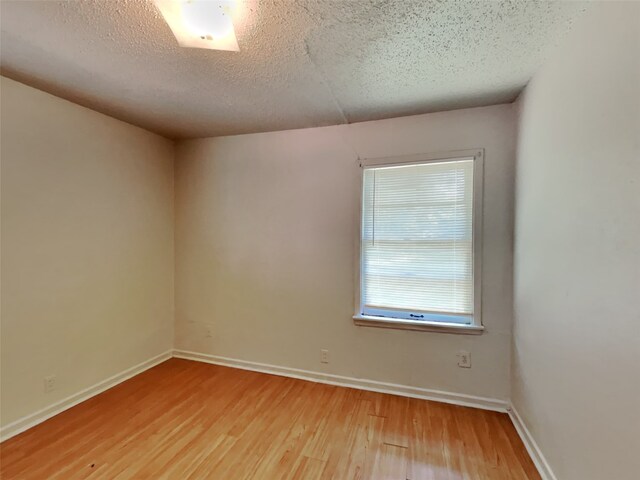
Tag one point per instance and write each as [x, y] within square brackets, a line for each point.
[201, 23]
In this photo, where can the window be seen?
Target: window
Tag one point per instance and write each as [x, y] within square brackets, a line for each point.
[420, 232]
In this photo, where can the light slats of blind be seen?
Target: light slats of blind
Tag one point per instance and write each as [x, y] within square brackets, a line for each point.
[417, 249]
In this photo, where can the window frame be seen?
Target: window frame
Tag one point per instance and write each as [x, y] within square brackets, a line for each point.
[429, 323]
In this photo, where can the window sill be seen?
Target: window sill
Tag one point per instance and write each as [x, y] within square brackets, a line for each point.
[401, 324]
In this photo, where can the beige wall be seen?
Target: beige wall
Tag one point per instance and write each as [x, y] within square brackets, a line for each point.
[577, 258]
[87, 247]
[266, 241]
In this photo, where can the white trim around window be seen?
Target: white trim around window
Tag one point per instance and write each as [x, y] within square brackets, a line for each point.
[465, 322]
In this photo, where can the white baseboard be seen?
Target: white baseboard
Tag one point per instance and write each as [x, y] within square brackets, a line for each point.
[359, 383]
[530, 444]
[26, 422]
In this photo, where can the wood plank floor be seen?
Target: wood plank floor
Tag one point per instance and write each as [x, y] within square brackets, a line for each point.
[189, 420]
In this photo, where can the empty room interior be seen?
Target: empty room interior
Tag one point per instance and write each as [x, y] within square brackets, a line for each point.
[320, 239]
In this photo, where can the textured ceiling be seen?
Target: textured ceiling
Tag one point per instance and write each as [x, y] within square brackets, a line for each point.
[301, 63]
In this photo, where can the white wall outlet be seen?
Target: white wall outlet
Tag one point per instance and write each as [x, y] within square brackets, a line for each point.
[464, 359]
[49, 383]
[324, 356]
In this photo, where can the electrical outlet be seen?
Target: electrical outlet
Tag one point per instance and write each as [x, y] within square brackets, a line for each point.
[324, 356]
[49, 383]
[209, 332]
[464, 359]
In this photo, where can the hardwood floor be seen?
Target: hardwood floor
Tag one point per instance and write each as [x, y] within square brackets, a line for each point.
[189, 420]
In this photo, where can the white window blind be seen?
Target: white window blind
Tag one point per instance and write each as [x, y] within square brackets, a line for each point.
[417, 241]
